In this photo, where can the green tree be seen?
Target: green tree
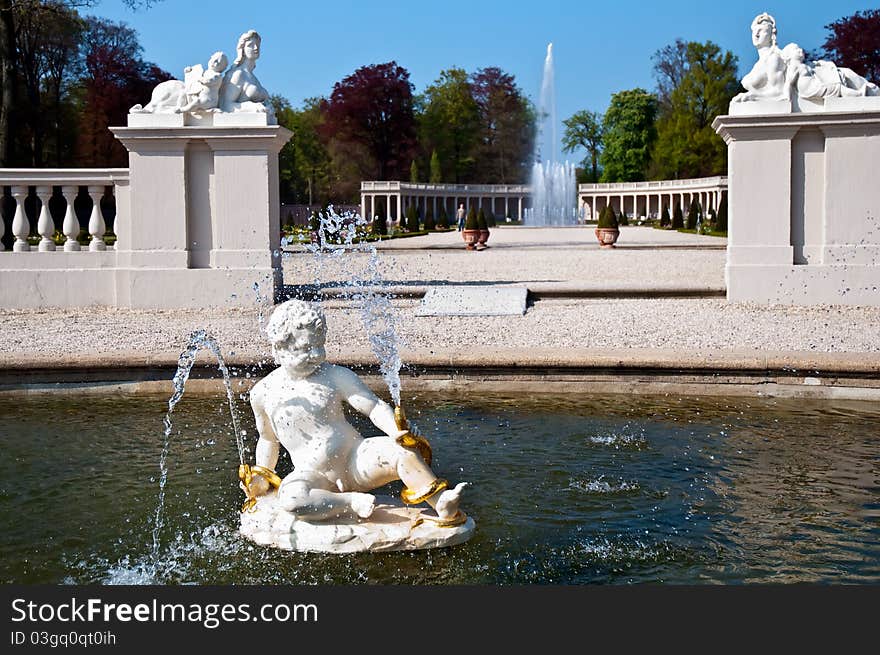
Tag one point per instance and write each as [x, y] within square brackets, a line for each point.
[664, 217]
[414, 172]
[629, 135]
[677, 218]
[687, 146]
[305, 164]
[436, 172]
[721, 222]
[379, 226]
[412, 219]
[429, 219]
[693, 216]
[442, 218]
[584, 130]
[450, 123]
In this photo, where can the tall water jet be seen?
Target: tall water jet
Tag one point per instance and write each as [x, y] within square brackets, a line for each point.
[554, 188]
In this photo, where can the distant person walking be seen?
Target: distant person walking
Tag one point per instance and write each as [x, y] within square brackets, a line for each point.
[460, 216]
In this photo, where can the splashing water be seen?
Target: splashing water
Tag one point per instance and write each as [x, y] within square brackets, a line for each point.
[197, 340]
[554, 187]
[337, 235]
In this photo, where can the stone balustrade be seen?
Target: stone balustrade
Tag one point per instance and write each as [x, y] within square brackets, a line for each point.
[57, 195]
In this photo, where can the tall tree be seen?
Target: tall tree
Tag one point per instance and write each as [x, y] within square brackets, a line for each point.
[31, 34]
[670, 66]
[687, 146]
[854, 42]
[436, 170]
[584, 130]
[373, 108]
[116, 78]
[629, 135]
[304, 161]
[450, 123]
[507, 126]
[47, 53]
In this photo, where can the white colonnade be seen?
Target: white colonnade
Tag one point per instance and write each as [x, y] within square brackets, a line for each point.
[648, 199]
[393, 198]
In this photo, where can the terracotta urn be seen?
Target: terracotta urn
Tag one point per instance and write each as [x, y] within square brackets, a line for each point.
[484, 237]
[471, 238]
[607, 236]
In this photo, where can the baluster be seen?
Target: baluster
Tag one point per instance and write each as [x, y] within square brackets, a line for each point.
[20, 226]
[71, 223]
[45, 224]
[97, 227]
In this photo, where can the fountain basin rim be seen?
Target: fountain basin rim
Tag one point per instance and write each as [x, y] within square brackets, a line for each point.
[854, 376]
[132, 365]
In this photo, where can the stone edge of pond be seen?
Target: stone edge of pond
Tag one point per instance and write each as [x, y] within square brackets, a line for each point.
[847, 375]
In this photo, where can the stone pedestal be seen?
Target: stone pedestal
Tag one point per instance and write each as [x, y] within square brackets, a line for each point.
[803, 207]
[203, 214]
[393, 526]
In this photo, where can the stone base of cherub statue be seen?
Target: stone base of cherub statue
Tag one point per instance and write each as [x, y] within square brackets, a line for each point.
[392, 526]
[325, 504]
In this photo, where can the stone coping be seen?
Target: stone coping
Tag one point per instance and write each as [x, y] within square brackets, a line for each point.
[859, 364]
[538, 291]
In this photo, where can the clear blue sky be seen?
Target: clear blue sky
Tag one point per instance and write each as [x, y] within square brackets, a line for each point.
[599, 47]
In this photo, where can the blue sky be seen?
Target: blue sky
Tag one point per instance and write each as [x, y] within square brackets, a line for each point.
[599, 47]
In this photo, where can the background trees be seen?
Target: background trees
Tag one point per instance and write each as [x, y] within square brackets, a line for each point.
[450, 124]
[854, 42]
[116, 78]
[585, 130]
[629, 135]
[694, 89]
[373, 109]
[46, 78]
[506, 128]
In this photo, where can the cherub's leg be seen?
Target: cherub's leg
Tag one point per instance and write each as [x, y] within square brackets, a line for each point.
[310, 497]
[379, 460]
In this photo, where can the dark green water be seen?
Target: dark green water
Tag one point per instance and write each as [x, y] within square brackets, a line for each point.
[565, 490]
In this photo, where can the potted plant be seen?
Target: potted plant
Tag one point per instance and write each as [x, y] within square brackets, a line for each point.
[471, 231]
[607, 230]
[483, 224]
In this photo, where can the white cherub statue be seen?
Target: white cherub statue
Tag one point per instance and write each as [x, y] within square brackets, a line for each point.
[203, 93]
[300, 406]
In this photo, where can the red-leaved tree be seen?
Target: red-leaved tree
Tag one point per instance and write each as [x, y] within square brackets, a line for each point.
[854, 42]
[116, 78]
[372, 109]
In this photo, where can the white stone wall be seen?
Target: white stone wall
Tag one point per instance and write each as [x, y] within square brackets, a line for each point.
[804, 207]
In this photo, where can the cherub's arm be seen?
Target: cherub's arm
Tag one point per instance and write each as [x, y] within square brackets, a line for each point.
[267, 444]
[359, 396]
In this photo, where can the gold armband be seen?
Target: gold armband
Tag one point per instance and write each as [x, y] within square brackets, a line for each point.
[410, 440]
[410, 498]
[246, 474]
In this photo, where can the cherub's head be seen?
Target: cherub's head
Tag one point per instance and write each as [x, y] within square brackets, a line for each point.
[297, 330]
[218, 62]
[793, 53]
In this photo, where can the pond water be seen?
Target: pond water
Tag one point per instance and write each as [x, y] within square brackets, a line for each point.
[565, 490]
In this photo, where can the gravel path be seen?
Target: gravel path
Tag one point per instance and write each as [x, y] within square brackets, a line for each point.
[561, 257]
[689, 325]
